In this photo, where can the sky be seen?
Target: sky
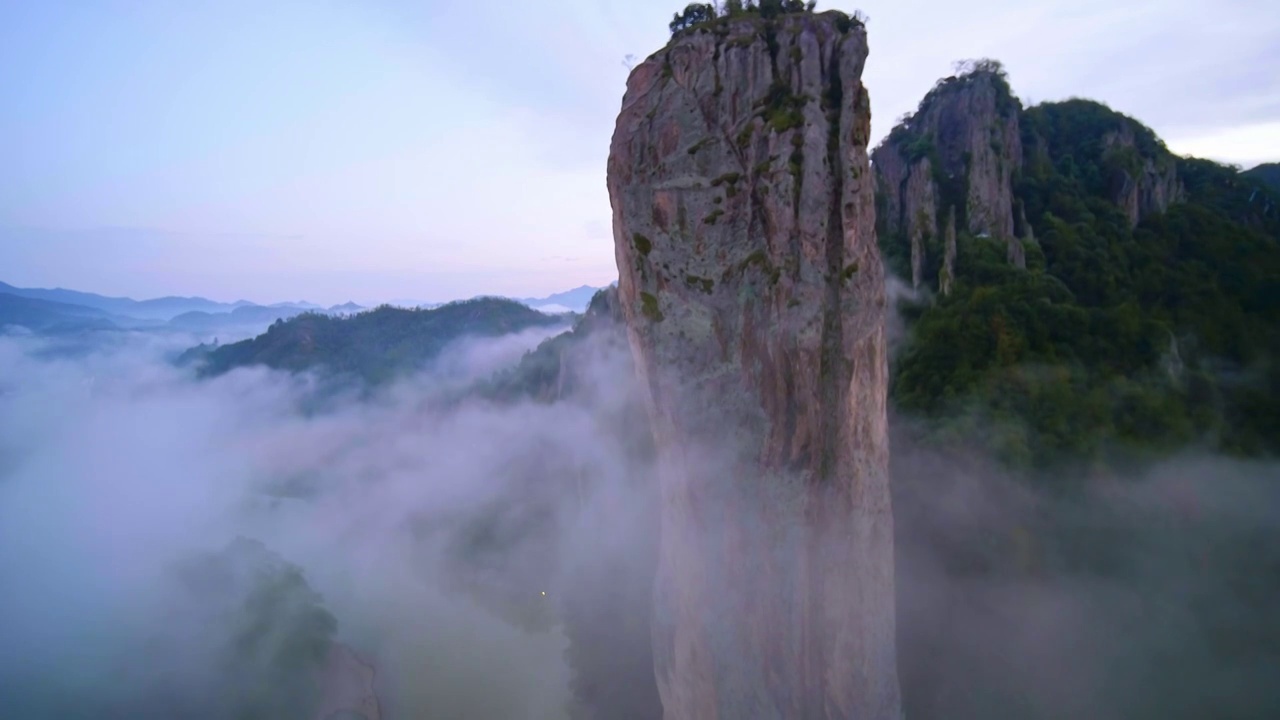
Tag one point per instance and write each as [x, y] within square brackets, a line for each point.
[416, 149]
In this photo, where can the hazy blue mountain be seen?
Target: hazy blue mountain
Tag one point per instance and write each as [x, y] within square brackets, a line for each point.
[575, 300]
[255, 317]
[162, 308]
[300, 304]
[49, 317]
[345, 309]
[180, 313]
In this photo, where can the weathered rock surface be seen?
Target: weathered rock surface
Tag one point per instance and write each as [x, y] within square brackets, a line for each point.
[959, 150]
[347, 687]
[948, 274]
[754, 297]
[970, 142]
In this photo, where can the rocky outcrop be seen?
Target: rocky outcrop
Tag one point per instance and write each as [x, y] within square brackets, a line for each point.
[754, 299]
[948, 274]
[959, 150]
[922, 222]
[1142, 184]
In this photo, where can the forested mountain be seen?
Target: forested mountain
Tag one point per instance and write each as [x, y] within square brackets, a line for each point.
[1081, 291]
[374, 346]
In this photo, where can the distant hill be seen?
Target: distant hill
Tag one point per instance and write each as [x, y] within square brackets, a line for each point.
[245, 315]
[183, 313]
[162, 308]
[1268, 173]
[375, 345]
[575, 300]
[46, 316]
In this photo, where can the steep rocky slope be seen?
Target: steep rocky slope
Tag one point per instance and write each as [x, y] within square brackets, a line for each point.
[752, 288]
[957, 154]
[966, 149]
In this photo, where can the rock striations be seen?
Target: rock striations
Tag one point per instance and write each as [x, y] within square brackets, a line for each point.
[957, 154]
[956, 164]
[754, 296]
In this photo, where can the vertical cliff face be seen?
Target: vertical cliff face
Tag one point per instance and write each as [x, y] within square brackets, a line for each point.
[967, 145]
[1142, 183]
[959, 150]
[754, 298]
[948, 274]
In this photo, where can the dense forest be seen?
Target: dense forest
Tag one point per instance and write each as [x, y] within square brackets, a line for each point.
[1117, 341]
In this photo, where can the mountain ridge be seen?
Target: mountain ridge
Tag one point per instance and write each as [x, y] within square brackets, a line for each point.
[373, 346]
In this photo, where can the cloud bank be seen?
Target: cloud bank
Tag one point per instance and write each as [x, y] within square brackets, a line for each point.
[174, 548]
[441, 542]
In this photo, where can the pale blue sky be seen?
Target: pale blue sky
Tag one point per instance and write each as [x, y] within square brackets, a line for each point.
[286, 149]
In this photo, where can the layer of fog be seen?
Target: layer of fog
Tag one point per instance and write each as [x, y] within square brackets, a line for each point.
[440, 541]
[1149, 593]
[472, 358]
[431, 535]
[1143, 591]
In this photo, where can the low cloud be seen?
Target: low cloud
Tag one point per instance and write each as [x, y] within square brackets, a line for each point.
[1100, 594]
[439, 540]
[148, 524]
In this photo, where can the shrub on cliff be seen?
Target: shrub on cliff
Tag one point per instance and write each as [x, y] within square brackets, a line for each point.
[696, 14]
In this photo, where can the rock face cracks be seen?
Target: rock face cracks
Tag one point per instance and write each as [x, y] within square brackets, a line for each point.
[754, 297]
[954, 158]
